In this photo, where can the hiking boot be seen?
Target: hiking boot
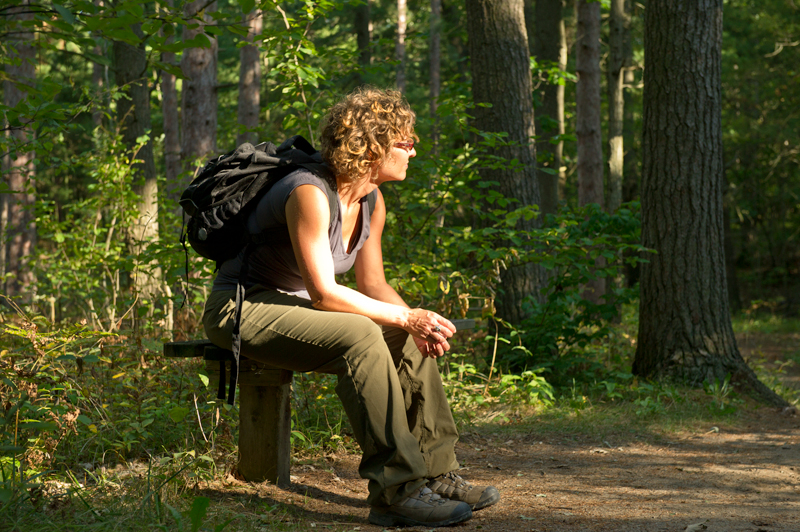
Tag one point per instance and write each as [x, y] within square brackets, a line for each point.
[452, 486]
[421, 508]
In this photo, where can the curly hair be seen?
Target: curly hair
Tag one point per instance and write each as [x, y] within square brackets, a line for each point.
[358, 131]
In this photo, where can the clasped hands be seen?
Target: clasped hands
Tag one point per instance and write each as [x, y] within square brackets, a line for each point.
[430, 332]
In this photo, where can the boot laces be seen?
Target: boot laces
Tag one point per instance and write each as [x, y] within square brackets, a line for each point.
[456, 478]
[427, 495]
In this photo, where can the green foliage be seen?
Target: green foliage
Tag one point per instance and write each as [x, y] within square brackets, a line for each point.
[576, 247]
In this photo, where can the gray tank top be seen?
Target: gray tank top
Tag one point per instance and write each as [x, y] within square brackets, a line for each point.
[273, 264]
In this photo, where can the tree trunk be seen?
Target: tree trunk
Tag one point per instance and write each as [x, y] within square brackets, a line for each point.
[250, 83]
[199, 94]
[684, 321]
[588, 129]
[498, 47]
[172, 139]
[133, 117]
[99, 73]
[619, 26]
[17, 222]
[436, 67]
[551, 46]
[363, 27]
[400, 49]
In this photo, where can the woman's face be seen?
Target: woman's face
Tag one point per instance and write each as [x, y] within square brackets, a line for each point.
[396, 165]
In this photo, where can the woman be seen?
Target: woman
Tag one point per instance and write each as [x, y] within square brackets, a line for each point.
[296, 316]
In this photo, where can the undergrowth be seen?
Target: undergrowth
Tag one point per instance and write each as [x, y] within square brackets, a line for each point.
[100, 432]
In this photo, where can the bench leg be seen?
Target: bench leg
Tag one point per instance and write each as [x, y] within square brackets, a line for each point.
[264, 433]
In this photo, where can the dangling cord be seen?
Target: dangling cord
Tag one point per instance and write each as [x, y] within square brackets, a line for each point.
[186, 254]
[236, 344]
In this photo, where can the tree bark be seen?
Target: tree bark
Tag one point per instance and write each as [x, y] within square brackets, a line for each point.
[588, 129]
[363, 27]
[199, 93]
[172, 139]
[133, 117]
[400, 48]
[498, 47]
[17, 222]
[436, 67]
[684, 321]
[99, 73]
[551, 46]
[250, 83]
[619, 26]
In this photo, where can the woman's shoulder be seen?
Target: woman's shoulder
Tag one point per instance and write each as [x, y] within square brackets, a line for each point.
[301, 176]
[270, 210]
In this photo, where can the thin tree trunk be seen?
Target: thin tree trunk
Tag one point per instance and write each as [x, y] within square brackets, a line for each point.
[551, 46]
[250, 83]
[436, 67]
[588, 129]
[619, 25]
[98, 83]
[363, 27]
[133, 116]
[17, 222]
[99, 73]
[684, 319]
[498, 47]
[172, 139]
[400, 49]
[199, 94]
[630, 161]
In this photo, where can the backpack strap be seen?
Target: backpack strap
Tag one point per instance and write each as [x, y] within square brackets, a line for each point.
[372, 198]
[254, 242]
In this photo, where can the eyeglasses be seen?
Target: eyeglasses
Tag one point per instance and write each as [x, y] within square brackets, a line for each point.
[408, 146]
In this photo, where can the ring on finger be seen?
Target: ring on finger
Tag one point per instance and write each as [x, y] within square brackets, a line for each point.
[437, 329]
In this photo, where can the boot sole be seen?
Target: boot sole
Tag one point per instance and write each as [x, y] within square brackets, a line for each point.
[381, 519]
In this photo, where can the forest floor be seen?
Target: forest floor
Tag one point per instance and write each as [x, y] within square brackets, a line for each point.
[738, 473]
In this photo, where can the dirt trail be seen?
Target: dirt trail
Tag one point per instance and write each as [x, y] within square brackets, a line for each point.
[743, 477]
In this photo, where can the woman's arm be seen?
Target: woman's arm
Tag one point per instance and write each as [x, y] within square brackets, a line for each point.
[308, 217]
[371, 276]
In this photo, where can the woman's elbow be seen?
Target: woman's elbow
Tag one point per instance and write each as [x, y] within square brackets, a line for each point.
[322, 299]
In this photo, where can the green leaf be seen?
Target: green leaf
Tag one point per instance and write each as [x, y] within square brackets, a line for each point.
[38, 425]
[247, 5]
[198, 512]
[65, 13]
[178, 413]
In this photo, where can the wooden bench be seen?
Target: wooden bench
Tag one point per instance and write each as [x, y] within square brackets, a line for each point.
[264, 392]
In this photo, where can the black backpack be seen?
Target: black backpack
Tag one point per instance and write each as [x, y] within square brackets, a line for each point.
[220, 199]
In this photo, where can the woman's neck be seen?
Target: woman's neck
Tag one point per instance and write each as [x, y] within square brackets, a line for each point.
[351, 192]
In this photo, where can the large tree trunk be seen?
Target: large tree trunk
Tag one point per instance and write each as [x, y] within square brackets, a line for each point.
[400, 45]
[498, 47]
[619, 26]
[199, 94]
[17, 222]
[551, 45]
[133, 116]
[250, 83]
[684, 322]
[588, 129]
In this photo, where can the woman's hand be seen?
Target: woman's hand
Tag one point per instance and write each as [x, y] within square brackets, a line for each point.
[430, 332]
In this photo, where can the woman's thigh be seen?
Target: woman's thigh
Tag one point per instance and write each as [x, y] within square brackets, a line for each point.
[287, 331]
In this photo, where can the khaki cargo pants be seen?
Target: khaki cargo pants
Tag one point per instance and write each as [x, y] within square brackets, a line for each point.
[393, 396]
